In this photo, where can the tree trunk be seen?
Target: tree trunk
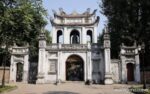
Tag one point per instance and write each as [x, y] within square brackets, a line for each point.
[4, 65]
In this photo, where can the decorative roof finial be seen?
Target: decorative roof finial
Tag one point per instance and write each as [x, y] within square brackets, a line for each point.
[42, 30]
[74, 13]
[54, 11]
[61, 11]
[88, 10]
[106, 29]
[42, 34]
[106, 33]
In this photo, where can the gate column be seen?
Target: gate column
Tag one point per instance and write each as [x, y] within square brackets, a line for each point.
[42, 56]
[107, 58]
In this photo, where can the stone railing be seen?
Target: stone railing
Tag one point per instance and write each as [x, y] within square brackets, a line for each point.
[53, 46]
[68, 47]
[19, 50]
[74, 46]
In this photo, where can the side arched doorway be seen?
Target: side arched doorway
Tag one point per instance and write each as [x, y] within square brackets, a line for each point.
[89, 36]
[130, 72]
[19, 72]
[59, 36]
[74, 68]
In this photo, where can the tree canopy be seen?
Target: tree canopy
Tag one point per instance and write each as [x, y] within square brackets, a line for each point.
[21, 22]
[128, 22]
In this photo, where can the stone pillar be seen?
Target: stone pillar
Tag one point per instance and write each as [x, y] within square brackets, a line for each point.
[89, 76]
[108, 73]
[94, 35]
[58, 79]
[89, 66]
[84, 40]
[137, 69]
[41, 61]
[54, 35]
[124, 73]
[26, 69]
[12, 79]
[66, 36]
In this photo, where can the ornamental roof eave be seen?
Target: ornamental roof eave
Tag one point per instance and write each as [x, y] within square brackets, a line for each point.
[84, 15]
[76, 24]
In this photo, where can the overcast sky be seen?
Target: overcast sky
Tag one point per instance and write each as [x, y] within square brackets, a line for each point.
[74, 5]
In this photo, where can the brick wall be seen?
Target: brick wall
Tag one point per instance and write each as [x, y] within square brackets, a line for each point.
[147, 76]
[7, 73]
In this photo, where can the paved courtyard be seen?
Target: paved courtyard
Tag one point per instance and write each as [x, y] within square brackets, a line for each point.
[69, 88]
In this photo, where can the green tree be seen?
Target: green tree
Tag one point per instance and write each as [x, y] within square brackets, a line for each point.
[48, 37]
[100, 38]
[128, 22]
[20, 23]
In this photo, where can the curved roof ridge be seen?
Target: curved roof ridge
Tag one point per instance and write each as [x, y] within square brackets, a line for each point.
[74, 14]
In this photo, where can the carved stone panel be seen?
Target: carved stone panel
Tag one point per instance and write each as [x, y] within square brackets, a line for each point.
[42, 43]
[18, 58]
[106, 44]
[52, 66]
[53, 54]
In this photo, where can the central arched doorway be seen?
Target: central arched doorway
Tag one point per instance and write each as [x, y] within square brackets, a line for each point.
[74, 68]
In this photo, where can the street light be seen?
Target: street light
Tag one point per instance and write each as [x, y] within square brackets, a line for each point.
[143, 65]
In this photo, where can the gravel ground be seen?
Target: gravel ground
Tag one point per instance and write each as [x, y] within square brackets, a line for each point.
[69, 88]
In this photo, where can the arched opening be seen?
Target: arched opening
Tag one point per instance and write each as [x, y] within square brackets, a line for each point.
[89, 36]
[74, 37]
[59, 36]
[19, 72]
[130, 72]
[74, 68]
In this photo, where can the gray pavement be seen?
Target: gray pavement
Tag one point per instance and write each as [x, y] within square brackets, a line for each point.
[69, 88]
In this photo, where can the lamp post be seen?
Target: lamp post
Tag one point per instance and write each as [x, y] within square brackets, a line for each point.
[143, 65]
